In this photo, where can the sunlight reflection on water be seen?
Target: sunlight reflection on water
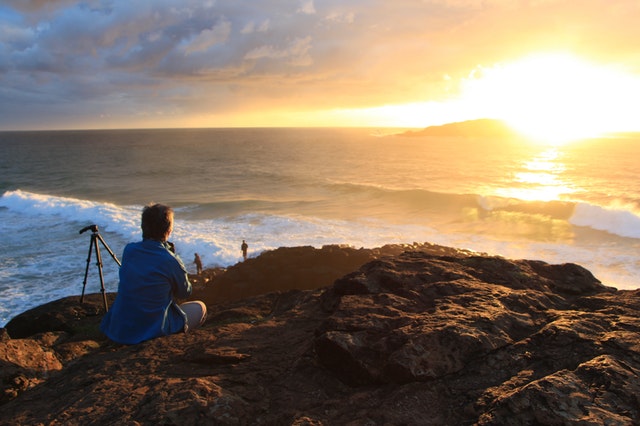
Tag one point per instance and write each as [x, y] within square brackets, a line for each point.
[540, 179]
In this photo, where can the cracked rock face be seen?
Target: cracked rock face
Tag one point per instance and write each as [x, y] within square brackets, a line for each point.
[417, 318]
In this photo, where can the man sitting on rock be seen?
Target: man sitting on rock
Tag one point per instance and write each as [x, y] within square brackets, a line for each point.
[152, 277]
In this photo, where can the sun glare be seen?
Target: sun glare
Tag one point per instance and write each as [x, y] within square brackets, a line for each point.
[556, 97]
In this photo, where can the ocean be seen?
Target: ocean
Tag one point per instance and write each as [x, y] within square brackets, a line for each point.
[577, 202]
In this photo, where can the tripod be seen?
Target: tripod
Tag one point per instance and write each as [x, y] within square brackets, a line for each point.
[95, 237]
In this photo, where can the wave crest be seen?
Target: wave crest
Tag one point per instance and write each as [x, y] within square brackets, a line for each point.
[621, 221]
[107, 215]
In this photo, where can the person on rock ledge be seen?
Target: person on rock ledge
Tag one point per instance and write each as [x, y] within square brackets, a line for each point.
[152, 277]
[198, 262]
[244, 248]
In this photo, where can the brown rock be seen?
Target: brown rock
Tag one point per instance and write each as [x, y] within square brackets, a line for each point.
[24, 364]
[418, 317]
[414, 339]
[66, 314]
[53, 335]
[289, 268]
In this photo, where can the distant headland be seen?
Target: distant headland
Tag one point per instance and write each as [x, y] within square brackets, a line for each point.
[484, 127]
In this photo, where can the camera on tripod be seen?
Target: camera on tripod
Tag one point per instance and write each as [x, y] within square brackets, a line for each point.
[93, 228]
[93, 246]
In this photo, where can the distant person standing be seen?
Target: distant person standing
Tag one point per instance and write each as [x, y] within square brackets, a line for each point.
[244, 248]
[198, 263]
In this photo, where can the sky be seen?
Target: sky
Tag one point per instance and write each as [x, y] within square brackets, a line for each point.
[376, 63]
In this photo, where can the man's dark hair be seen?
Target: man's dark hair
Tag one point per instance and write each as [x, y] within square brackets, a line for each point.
[156, 222]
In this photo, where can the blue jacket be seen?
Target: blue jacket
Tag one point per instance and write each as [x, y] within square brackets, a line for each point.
[151, 278]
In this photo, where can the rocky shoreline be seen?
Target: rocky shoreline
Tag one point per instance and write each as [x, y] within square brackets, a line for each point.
[403, 334]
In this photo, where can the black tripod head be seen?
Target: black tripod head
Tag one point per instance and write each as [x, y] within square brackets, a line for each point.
[93, 228]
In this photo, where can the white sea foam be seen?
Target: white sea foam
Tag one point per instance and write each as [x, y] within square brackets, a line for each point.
[618, 220]
[115, 218]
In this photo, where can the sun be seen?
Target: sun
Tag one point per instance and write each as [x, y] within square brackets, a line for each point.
[556, 97]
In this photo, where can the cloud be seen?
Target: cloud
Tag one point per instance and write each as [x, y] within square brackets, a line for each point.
[341, 17]
[209, 37]
[296, 52]
[16, 38]
[73, 60]
[307, 7]
[38, 5]
[252, 27]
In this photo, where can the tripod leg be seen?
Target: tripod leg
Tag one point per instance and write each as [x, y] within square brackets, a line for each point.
[99, 263]
[86, 270]
[104, 244]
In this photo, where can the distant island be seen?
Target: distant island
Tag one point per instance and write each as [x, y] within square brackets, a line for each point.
[484, 127]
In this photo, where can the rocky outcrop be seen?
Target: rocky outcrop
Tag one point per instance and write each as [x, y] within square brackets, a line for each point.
[295, 268]
[417, 338]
